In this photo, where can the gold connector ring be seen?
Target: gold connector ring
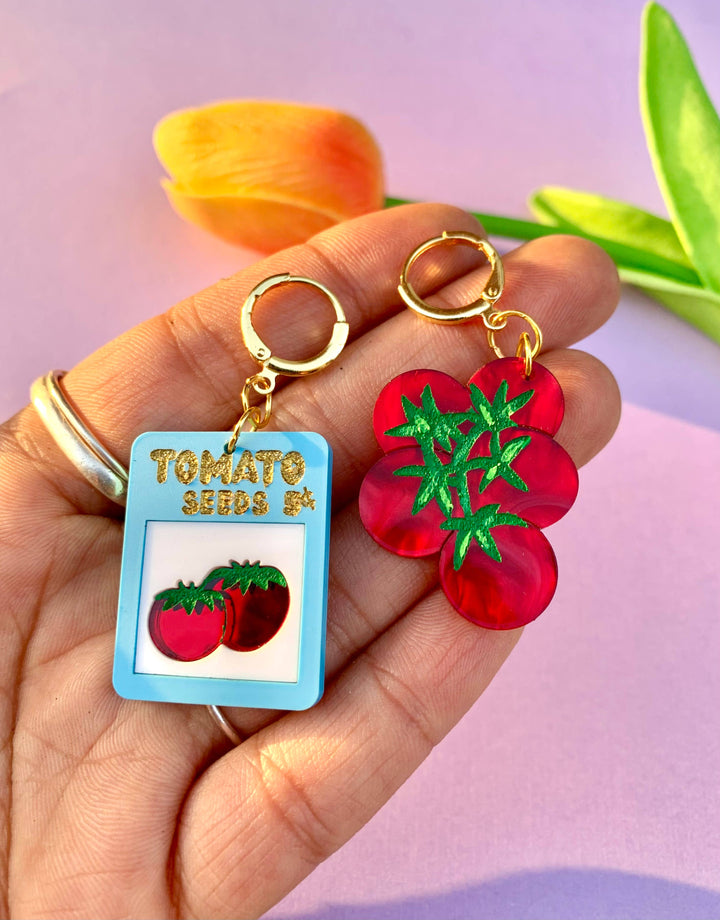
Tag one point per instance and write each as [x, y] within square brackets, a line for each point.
[490, 293]
[273, 365]
[524, 351]
[497, 321]
[251, 417]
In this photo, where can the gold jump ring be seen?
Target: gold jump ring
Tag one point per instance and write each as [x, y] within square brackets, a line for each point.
[496, 321]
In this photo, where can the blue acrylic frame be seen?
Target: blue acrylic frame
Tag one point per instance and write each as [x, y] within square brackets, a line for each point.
[150, 501]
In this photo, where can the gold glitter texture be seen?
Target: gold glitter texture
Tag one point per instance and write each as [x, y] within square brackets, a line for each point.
[292, 467]
[162, 456]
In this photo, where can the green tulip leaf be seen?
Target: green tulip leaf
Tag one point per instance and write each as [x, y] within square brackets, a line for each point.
[635, 238]
[683, 135]
[696, 305]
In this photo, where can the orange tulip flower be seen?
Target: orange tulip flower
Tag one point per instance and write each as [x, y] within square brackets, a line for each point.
[267, 175]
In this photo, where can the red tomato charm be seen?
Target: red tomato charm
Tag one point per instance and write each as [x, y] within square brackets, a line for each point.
[391, 403]
[258, 600]
[393, 523]
[187, 623]
[507, 594]
[473, 473]
[543, 465]
[546, 408]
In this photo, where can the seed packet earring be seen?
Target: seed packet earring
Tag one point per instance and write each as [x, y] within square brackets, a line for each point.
[225, 561]
[473, 472]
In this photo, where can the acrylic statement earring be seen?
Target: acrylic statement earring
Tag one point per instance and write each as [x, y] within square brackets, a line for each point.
[225, 560]
[473, 472]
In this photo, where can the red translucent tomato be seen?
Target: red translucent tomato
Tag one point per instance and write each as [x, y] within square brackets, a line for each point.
[187, 623]
[546, 406]
[449, 396]
[258, 601]
[507, 594]
[386, 503]
[543, 465]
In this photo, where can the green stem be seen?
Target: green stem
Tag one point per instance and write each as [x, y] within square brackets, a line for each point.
[463, 490]
[623, 256]
[495, 453]
[458, 465]
[430, 458]
[509, 227]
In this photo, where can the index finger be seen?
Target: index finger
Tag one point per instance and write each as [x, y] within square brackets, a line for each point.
[184, 369]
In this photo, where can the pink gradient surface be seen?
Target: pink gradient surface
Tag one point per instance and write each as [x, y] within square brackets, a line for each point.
[585, 782]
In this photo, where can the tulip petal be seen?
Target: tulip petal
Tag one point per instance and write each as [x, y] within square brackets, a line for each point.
[268, 174]
[257, 223]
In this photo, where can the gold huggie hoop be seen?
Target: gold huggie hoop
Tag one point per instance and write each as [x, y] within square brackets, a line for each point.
[272, 365]
[490, 293]
[263, 382]
[483, 306]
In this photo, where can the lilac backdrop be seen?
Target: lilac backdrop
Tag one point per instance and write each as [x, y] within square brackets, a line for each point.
[584, 783]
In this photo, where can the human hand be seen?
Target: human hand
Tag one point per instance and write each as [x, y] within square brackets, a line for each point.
[118, 808]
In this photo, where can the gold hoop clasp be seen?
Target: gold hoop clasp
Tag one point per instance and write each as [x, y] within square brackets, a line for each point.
[490, 293]
[272, 365]
[262, 382]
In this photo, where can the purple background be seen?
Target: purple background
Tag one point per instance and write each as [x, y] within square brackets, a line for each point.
[585, 782]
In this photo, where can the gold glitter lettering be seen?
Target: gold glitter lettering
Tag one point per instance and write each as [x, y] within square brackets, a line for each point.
[268, 458]
[242, 502]
[207, 501]
[292, 467]
[186, 467]
[191, 505]
[162, 456]
[245, 468]
[292, 504]
[224, 501]
[295, 501]
[210, 467]
[306, 499]
[260, 504]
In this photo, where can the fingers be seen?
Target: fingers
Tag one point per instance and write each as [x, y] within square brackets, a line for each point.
[361, 608]
[592, 403]
[568, 285]
[372, 729]
[339, 402]
[578, 283]
[185, 368]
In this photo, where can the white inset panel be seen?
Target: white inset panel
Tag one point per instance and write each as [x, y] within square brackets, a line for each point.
[188, 551]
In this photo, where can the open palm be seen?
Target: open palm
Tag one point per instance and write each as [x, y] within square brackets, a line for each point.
[116, 808]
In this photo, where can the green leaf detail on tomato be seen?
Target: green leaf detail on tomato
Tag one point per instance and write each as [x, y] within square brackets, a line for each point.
[456, 434]
[244, 576]
[187, 623]
[477, 527]
[427, 421]
[190, 597]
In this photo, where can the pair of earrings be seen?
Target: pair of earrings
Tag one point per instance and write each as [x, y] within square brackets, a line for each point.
[470, 472]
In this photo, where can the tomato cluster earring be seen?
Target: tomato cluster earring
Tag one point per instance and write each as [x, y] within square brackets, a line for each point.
[473, 472]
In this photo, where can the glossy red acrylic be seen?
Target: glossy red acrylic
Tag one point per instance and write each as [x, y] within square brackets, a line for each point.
[473, 472]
